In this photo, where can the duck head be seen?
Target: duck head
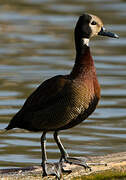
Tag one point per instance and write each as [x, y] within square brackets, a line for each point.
[88, 26]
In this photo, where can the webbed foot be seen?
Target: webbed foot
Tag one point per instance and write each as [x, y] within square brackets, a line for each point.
[53, 169]
[76, 161]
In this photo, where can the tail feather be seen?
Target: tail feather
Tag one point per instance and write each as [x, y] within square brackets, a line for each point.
[13, 122]
[10, 126]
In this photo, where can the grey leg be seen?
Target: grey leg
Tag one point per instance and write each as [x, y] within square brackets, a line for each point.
[48, 168]
[64, 154]
[44, 157]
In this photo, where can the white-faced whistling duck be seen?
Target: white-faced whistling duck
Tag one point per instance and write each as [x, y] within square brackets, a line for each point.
[64, 101]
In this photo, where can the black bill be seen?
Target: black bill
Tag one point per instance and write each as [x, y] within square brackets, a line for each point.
[103, 32]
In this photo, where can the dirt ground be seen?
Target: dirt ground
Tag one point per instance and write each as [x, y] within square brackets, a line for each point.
[112, 162]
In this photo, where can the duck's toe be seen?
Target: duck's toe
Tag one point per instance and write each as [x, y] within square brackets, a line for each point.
[53, 169]
[77, 161]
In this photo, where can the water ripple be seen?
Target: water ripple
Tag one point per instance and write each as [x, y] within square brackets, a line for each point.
[37, 43]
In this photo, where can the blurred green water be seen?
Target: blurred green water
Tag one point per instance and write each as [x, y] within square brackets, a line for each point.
[36, 42]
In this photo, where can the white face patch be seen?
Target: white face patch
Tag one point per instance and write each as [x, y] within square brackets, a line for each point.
[97, 27]
[86, 41]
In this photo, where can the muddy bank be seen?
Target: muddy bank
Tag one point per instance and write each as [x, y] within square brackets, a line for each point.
[109, 166]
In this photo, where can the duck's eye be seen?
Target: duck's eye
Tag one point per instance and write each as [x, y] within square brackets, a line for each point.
[93, 23]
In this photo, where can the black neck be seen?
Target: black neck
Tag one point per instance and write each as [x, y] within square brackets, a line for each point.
[83, 58]
[80, 45]
[81, 48]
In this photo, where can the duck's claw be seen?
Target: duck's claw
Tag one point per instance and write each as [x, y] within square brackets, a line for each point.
[77, 161]
[53, 169]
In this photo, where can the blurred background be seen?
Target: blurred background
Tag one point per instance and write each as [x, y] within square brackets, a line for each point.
[37, 42]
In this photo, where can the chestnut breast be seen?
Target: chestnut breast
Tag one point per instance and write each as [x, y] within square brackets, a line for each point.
[73, 100]
[85, 95]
